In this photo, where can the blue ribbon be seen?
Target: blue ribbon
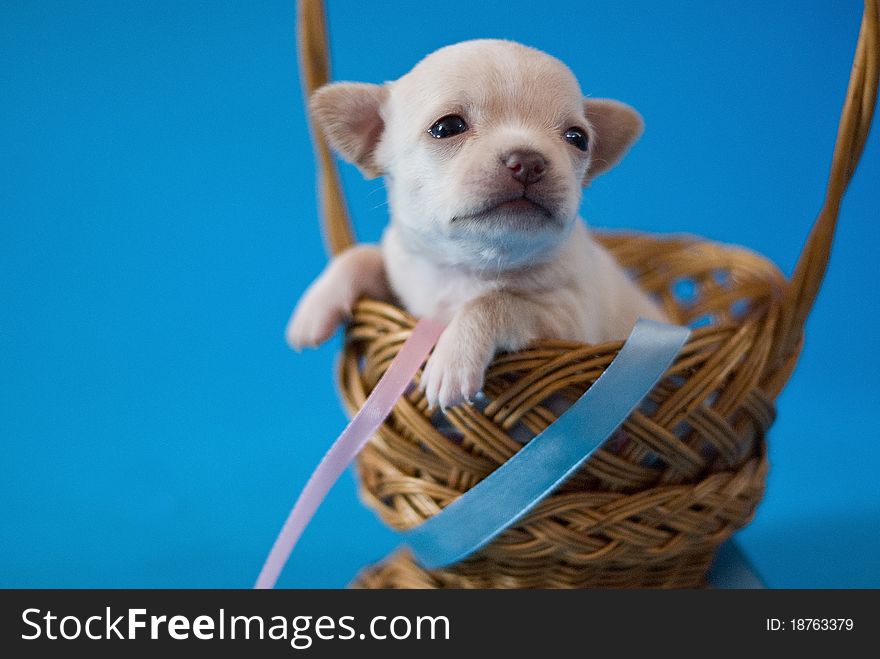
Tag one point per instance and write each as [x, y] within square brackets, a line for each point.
[513, 489]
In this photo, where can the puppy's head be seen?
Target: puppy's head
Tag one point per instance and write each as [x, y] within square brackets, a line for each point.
[485, 146]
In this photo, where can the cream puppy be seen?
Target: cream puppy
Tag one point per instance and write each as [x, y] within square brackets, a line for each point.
[485, 147]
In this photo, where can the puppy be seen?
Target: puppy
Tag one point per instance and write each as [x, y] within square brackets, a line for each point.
[485, 147]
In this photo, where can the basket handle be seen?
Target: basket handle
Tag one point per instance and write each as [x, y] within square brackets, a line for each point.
[314, 62]
[852, 132]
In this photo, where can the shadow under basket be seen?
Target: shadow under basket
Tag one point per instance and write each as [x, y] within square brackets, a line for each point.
[650, 508]
[687, 467]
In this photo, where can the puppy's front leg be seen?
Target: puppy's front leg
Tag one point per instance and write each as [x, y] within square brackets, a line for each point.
[496, 321]
[357, 272]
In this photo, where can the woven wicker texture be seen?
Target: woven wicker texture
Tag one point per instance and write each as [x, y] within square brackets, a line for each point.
[686, 469]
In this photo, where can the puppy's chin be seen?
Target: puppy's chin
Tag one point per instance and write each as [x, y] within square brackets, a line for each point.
[488, 232]
[510, 237]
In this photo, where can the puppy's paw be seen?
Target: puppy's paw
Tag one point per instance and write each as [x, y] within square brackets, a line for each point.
[315, 319]
[455, 371]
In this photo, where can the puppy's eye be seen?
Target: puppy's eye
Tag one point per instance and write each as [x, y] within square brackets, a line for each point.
[448, 126]
[576, 137]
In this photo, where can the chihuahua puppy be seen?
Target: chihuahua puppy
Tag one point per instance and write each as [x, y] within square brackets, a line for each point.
[485, 147]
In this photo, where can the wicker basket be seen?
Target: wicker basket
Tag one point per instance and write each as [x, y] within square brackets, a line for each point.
[686, 469]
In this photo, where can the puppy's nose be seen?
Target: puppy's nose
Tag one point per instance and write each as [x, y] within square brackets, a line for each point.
[525, 165]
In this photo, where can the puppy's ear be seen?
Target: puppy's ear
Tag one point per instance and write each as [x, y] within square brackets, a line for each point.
[616, 126]
[349, 114]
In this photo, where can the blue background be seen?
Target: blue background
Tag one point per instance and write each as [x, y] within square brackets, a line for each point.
[157, 224]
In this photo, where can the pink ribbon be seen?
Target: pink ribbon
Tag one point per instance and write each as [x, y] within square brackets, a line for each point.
[357, 433]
